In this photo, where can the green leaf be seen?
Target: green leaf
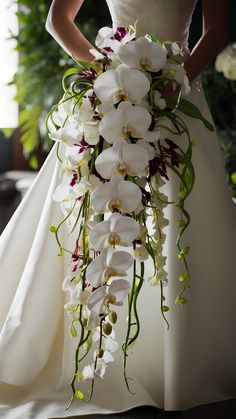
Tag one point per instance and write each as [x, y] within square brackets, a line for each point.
[33, 162]
[154, 38]
[7, 132]
[188, 109]
[68, 73]
[29, 123]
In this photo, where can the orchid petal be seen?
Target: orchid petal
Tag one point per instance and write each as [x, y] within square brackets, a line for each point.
[106, 163]
[127, 228]
[95, 272]
[96, 300]
[111, 126]
[121, 261]
[136, 158]
[98, 235]
[120, 289]
[61, 193]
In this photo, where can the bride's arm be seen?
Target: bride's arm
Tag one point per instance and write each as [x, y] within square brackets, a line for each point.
[214, 35]
[60, 24]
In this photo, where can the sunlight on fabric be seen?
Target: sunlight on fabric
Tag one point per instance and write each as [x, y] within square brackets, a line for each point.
[8, 64]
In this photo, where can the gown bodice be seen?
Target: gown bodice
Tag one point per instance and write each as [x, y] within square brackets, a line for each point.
[168, 19]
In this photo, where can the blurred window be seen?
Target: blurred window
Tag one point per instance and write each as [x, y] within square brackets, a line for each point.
[8, 64]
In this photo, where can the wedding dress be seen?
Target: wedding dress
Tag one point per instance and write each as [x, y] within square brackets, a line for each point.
[194, 362]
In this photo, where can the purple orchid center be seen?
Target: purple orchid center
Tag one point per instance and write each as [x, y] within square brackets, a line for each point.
[119, 34]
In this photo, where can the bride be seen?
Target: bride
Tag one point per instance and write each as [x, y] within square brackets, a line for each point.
[193, 362]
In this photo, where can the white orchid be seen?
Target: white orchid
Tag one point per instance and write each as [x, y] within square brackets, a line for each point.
[103, 37]
[125, 121]
[89, 373]
[107, 356]
[117, 230]
[78, 124]
[91, 132]
[178, 73]
[78, 297]
[67, 134]
[108, 264]
[84, 112]
[71, 119]
[80, 160]
[143, 53]
[113, 38]
[115, 293]
[86, 183]
[116, 194]
[226, 62]
[122, 84]
[141, 253]
[161, 275]
[122, 158]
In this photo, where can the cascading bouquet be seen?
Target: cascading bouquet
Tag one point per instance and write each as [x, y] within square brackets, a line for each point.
[115, 126]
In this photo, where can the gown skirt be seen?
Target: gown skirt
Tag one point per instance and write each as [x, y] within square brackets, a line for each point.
[190, 364]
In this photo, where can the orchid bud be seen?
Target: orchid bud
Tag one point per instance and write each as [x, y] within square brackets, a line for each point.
[99, 352]
[184, 277]
[180, 223]
[107, 328]
[112, 317]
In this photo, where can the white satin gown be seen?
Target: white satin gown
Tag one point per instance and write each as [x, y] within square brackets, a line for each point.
[194, 362]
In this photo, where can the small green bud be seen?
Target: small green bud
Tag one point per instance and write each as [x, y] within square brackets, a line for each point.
[112, 316]
[185, 250]
[181, 300]
[99, 352]
[181, 194]
[180, 223]
[53, 229]
[85, 322]
[164, 308]
[73, 331]
[107, 328]
[184, 277]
